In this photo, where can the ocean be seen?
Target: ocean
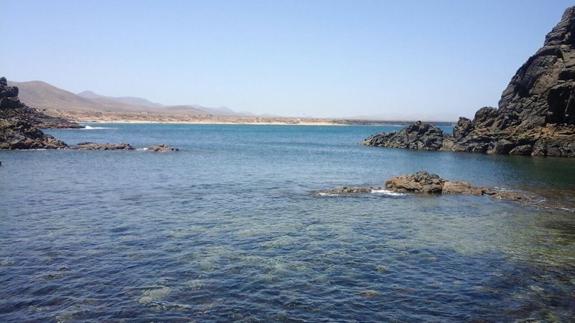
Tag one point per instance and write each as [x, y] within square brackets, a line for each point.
[230, 229]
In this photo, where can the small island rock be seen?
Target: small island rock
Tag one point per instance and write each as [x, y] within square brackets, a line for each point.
[162, 148]
[96, 146]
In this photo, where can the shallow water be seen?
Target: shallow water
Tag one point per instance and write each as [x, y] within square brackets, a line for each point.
[229, 229]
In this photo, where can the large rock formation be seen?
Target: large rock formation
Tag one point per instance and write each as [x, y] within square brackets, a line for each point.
[18, 123]
[536, 114]
[421, 136]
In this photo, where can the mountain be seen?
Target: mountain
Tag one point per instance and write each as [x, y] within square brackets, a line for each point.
[536, 114]
[128, 100]
[42, 95]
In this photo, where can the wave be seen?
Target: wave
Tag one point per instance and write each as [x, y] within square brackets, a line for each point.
[328, 194]
[87, 127]
[373, 191]
[386, 192]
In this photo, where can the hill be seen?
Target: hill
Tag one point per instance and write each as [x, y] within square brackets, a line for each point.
[42, 95]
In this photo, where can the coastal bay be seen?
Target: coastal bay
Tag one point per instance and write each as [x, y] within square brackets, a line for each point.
[229, 228]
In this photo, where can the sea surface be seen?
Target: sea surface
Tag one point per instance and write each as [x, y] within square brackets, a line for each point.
[229, 229]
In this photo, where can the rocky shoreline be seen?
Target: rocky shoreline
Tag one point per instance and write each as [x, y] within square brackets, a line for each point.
[19, 124]
[20, 127]
[536, 114]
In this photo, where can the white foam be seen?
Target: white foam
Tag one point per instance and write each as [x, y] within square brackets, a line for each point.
[86, 127]
[327, 194]
[386, 192]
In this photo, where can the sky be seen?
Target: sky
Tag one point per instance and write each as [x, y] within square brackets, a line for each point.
[430, 60]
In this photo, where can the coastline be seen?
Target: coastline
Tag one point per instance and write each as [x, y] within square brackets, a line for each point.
[137, 118]
[215, 122]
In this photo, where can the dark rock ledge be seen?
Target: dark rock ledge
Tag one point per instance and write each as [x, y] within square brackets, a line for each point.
[96, 146]
[123, 146]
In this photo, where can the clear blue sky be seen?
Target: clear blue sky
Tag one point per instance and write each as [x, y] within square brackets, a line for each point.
[394, 59]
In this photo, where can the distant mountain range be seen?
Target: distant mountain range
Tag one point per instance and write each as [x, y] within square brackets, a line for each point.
[88, 106]
[42, 95]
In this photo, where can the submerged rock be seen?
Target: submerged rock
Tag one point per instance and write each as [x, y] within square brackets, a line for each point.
[536, 114]
[348, 190]
[96, 146]
[122, 146]
[162, 148]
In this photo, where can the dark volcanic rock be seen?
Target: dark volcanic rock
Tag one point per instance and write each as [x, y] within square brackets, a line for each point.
[523, 150]
[96, 146]
[463, 127]
[420, 136]
[18, 130]
[15, 134]
[536, 114]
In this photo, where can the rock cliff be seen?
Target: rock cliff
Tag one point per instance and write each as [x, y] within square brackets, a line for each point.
[536, 114]
[19, 123]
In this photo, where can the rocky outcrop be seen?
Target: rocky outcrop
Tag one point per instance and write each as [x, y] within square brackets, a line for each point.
[420, 182]
[427, 183]
[15, 134]
[19, 123]
[96, 146]
[423, 182]
[536, 114]
[161, 148]
[420, 136]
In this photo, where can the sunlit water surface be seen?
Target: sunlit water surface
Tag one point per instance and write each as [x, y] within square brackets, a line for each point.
[229, 229]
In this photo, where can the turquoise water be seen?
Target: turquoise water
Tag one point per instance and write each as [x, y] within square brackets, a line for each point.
[228, 229]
